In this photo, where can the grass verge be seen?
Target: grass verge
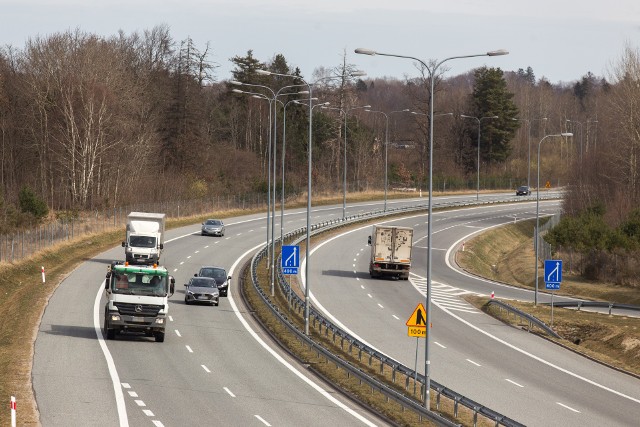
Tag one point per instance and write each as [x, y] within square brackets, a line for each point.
[613, 340]
[506, 254]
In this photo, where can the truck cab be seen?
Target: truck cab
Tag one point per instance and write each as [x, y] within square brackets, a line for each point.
[137, 300]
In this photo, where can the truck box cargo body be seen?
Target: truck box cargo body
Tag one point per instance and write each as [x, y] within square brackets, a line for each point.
[144, 237]
[390, 251]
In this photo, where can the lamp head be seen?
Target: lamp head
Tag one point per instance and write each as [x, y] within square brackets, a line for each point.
[237, 91]
[303, 92]
[366, 106]
[498, 52]
[358, 73]
[566, 134]
[364, 51]
[235, 82]
[263, 72]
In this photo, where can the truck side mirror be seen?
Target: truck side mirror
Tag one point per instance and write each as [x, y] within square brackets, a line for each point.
[369, 241]
[229, 278]
[195, 275]
[106, 285]
[161, 245]
[124, 244]
[172, 285]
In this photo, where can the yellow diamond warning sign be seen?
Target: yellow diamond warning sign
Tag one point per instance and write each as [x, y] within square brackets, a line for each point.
[418, 318]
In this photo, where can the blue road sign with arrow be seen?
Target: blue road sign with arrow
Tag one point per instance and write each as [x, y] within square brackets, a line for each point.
[290, 259]
[552, 273]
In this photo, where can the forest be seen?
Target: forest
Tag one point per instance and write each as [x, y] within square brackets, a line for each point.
[90, 122]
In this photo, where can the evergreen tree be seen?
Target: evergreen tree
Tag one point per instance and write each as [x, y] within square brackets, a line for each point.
[491, 98]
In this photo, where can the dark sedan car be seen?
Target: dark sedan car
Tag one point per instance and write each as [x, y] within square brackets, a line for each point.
[523, 190]
[202, 289]
[212, 227]
[219, 274]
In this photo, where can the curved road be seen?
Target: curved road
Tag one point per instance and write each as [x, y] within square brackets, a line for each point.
[521, 375]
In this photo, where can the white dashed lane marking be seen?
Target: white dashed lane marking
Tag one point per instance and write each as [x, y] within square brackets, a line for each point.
[514, 383]
[568, 407]
[206, 369]
[472, 362]
[263, 420]
[229, 391]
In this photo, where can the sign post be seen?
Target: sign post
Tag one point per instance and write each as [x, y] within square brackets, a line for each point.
[417, 324]
[552, 278]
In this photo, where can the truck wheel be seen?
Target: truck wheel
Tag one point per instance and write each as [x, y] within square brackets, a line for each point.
[159, 336]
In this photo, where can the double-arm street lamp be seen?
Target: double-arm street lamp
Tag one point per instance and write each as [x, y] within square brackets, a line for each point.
[432, 70]
[344, 168]
[479, 120]
[271, 208]
[528, 124]
[386, 147]
[309, 161]
[535, 243]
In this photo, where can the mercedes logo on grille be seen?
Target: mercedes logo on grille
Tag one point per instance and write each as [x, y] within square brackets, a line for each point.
[138, 309]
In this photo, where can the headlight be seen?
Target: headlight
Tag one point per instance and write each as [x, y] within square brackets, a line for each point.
[115, 317]
[159, 321]
[129, 249]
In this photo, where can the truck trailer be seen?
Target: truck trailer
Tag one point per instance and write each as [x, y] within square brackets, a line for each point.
[144, 239]
[390, 251]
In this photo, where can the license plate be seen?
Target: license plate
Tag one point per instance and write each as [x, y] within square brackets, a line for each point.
[138, 319]
[203, 297]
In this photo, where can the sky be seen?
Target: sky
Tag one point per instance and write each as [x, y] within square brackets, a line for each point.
[561, 40]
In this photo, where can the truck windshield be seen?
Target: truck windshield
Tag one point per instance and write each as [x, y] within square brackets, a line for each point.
[142, 241]
[139, 284]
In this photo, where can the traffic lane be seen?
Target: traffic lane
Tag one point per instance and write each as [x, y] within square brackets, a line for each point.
[344, 256]
[455, 357]
[71, 382]
[263, 388]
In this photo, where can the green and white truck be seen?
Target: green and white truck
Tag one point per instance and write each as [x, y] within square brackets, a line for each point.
[137, 300]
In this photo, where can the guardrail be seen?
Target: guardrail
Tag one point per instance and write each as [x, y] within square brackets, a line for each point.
[580, 304]
[320, 321]
[531, 319]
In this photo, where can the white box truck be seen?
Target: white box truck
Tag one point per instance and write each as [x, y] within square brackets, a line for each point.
[137, 300]
[144, 238]
[390, 251]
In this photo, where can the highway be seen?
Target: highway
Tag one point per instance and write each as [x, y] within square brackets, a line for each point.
[216, 366]
[523, 376]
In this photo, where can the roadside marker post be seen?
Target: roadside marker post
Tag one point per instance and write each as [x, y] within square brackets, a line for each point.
[492, 295]
[43, 274]
[13, 411]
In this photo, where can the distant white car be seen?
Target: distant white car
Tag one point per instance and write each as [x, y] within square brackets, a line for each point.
[213, 227]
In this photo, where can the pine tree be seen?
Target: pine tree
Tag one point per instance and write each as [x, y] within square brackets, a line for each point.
[491, 98]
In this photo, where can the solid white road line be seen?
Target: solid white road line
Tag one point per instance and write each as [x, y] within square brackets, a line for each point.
[568, 407]
[514, 383]
[229, 392]
[262, 420]
[293, 369]
[111, 366]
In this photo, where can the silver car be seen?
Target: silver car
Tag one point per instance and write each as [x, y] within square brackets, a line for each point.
[202, 289]
[213, 227]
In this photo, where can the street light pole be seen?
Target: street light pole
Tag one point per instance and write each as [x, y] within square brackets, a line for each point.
[386, 148]
[309, 162]
[284, 146]
[344, 169]
[478, 120]
[427, 361]
[535, 243]
[528, 124]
